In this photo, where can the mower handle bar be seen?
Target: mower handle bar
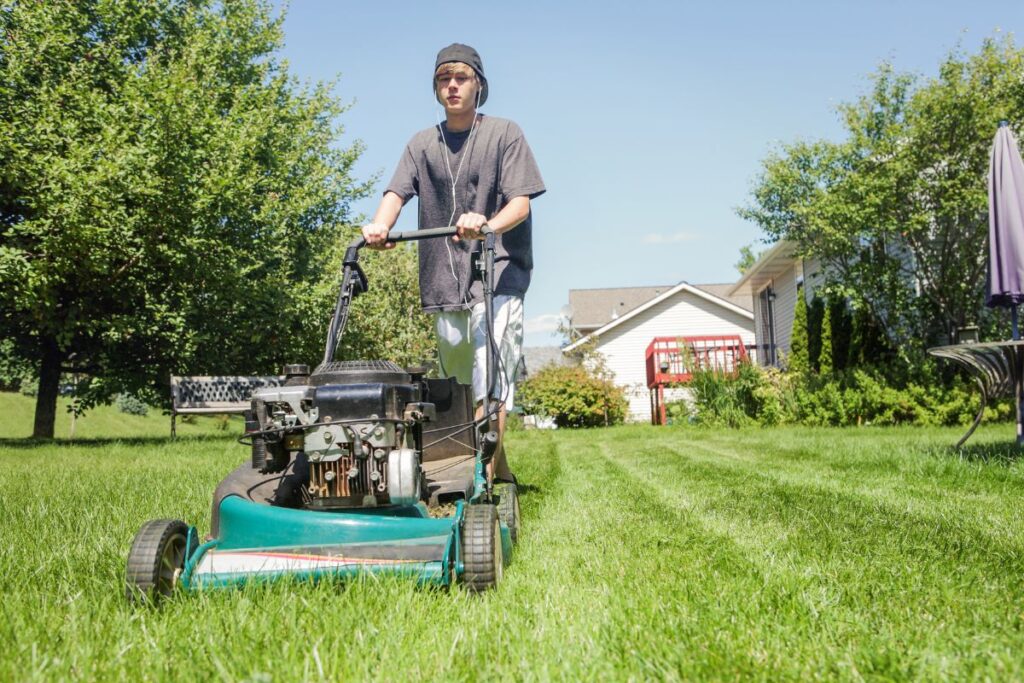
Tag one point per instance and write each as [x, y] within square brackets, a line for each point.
[413, 235]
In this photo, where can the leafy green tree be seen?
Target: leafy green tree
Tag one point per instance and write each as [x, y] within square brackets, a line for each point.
[169, 195]
[388, 322]
[898, 210]
[748, 257]
[799, 358]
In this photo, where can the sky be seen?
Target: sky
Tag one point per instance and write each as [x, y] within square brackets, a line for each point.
[649, 120]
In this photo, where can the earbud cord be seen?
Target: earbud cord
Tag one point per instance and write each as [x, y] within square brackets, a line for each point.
[454, 178]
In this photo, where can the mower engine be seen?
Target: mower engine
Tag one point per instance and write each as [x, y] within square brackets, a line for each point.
[359, 426]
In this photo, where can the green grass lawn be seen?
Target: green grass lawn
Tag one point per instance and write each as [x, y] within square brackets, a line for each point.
[646, 553]
[17, 413]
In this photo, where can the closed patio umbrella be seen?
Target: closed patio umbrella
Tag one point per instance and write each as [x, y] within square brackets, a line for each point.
[1006, 225]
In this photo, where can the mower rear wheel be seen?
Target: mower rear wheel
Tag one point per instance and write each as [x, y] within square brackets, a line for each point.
[482, 558]
[156, 560]
[508, 508]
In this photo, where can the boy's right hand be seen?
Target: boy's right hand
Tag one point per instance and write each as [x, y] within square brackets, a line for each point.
[376, 236]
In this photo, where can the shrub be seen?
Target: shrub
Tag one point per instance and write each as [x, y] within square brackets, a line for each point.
[750, 396]
[29, 386]
[131, 405]
[758, 396]
[573, 397]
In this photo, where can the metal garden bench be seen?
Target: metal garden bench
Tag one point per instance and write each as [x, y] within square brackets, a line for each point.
[998, 369]
[214, 395]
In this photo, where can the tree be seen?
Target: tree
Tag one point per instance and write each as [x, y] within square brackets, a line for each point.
[799, 359]
[898, 210]
[748, 257]
[825, 364]
[169, 195]
[815, 316]
[841, 332]
[388, 321]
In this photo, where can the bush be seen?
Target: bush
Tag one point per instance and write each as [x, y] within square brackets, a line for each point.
[758, 396]
[573, 397]
[29, 386]
[750, 396]
[131, 405]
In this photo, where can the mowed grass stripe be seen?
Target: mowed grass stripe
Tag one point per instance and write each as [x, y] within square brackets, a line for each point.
[914, 477]
[924, 582]
[925, 460]
[718, 614]
[994, 521]
[661, 582]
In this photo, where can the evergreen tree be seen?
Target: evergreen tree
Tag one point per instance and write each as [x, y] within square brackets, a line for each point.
[825, 364]
[841, 332]
[815, 314]
[798, 358]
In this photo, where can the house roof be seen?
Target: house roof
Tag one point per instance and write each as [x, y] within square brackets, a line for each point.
[681, 287]
[537, 357]
[772, 263]
[593, 308]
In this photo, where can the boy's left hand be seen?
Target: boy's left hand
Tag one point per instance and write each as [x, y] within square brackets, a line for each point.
[470, 227]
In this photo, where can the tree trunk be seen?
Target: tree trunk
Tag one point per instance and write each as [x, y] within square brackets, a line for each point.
[49, 385]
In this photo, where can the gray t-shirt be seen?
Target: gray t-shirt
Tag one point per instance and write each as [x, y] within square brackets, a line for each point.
[488, 169]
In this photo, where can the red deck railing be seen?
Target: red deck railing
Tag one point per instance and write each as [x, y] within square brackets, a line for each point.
[672, 360]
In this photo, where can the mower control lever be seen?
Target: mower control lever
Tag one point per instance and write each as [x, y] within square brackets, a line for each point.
[489, 446]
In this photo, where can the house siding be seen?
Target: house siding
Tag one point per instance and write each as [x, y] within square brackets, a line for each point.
[814, 277]
[684, 314]
[783, 309]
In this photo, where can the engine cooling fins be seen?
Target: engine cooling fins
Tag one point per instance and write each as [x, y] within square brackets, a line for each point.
[359, 372]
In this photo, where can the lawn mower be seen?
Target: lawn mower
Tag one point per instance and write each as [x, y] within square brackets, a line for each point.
[359, 466]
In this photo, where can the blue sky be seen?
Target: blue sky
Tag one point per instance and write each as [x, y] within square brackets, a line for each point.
[648, 119]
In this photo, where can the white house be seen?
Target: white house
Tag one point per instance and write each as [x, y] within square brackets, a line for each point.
[623, 322]
[772, 284]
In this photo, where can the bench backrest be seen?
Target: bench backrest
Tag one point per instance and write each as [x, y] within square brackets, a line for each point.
[988, 364]
[217, 391]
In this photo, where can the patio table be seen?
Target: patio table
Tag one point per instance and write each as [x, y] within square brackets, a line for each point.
[997, 367]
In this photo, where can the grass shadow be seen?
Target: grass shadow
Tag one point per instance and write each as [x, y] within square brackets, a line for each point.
[1002, 452]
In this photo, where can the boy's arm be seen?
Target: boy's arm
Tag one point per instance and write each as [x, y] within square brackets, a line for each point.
[387, 213]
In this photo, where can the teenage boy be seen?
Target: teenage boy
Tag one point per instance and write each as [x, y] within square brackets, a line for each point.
[469, 171]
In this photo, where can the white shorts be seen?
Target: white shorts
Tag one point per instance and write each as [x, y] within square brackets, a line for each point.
[461, 346]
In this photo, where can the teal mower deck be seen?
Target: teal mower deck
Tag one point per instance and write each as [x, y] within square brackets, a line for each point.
[356, 467]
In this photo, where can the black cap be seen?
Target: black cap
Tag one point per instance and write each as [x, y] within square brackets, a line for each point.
[457, 52]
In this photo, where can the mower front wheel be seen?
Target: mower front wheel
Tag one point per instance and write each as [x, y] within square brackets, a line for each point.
[156, 560]
[482, 558]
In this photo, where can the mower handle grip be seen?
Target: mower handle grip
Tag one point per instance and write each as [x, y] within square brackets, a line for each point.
[413, 235]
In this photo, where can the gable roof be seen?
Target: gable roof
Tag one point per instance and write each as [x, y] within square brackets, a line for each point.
[777, 260]
[681, 287]
[593, 308]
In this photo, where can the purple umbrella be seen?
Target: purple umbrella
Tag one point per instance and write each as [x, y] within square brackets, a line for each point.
[1006, 224]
